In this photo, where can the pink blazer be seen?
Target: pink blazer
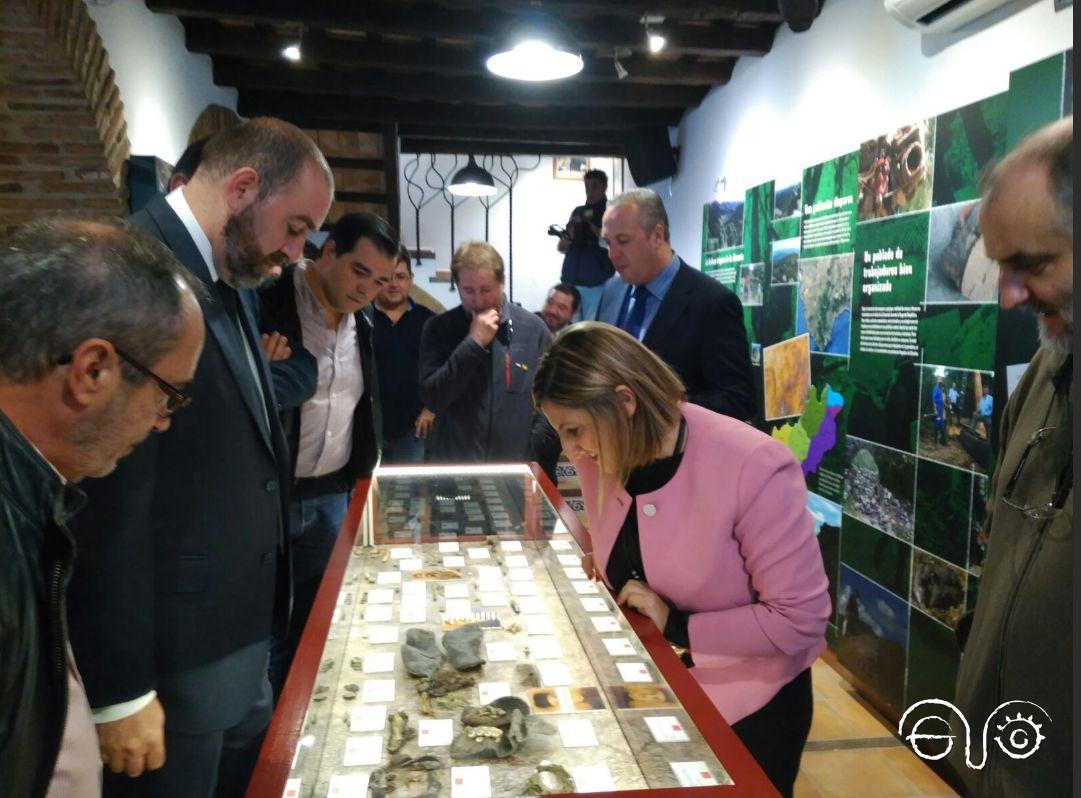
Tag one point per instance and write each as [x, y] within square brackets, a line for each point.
[728, 539]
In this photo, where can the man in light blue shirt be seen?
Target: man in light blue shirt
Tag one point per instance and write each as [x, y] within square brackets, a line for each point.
[983, 412]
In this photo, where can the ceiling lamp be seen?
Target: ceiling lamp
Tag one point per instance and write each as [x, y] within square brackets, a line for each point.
[654, 36]
[291, 53]
[535, 47]
[472, 180]
[799, 14]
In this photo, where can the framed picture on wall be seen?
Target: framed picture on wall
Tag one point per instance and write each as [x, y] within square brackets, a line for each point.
[569, 167]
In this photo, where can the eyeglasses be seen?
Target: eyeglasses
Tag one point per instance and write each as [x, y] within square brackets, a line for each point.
[172, 397]
[1053, 507]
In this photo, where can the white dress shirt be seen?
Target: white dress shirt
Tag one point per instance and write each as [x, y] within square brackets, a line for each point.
[326, 420]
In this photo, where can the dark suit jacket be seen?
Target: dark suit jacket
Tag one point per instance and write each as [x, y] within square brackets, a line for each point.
[698, 331]
[278, 313]
[183, 550]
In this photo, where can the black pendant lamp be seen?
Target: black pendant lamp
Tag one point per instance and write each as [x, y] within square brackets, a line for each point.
[472, 180]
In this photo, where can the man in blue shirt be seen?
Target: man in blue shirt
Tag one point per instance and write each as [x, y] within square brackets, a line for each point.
[690, 321]
[938, 400]
[585, 263]
[983, 412]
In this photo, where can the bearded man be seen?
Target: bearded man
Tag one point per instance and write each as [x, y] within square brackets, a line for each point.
[187, 575]
[1019, 647]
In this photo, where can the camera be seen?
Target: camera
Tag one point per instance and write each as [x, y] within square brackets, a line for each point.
[557, 231]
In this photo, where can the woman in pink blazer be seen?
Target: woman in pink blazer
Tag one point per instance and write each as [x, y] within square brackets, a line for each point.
[697, 521]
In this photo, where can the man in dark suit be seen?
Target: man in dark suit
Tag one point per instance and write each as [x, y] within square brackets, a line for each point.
[171, 610]
[691, 322]
[317, 305]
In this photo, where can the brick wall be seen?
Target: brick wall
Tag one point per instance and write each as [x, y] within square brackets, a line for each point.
[61, 119]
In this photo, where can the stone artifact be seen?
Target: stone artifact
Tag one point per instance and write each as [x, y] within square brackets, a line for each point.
[420, 653]
[437, 574]
[442, 683]
[463, 647]
[550, 779]
[493, 731]
[400, 731]
[380, 783]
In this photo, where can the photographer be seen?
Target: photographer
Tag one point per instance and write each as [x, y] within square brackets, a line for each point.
[585, 261]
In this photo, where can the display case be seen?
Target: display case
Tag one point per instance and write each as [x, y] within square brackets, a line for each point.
[456, 649]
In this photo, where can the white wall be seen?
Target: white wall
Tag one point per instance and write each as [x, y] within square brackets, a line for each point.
[855, 74]
[539, 200]
[162, 85]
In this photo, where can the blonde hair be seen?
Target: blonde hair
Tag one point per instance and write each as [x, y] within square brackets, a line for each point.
[473, 256]
[582, 370]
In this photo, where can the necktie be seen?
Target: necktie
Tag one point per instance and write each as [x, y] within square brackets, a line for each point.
[632, 322]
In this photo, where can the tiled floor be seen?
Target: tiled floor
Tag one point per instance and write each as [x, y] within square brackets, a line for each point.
[853, 753]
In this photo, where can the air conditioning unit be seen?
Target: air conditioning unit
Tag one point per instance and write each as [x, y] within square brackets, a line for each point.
[940, 16]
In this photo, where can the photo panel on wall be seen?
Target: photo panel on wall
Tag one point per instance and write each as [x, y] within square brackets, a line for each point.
[896, 171]
[879, 487]
[955, 418]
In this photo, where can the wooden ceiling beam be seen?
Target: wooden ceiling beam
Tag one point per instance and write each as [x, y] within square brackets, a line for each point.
[481, 90]
[260, 44]
[332, 111]
[431, 21]
[411, 145]
[731, 10]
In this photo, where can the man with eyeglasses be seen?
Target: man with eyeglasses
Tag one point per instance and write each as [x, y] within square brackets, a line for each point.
[1019, 646]
[184, 555]
[101, 328]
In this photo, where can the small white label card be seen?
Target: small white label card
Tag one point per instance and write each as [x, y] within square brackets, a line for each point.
[448, 548]
[459, 608]
[541, 625]
[618, 646]
[348, 785]
[545, 648]
[585, 588]
[454, 561]
[691, 774]
[521, 574]
[292, 789]
[413, 613]
[569, 560]
[560, 528]
[378, 613]
[560, 545]
[400, 552]
[493, 598]
[577, 733]
[490, 691]
[510, 545]
[594, 605]
[500, 651]
[388, 578]
[554, 674]
[575, 574]
[470, 782]
[417, 590]
[410, 564]
[432, 731]
[381, 595]
[379, 662]
[592, 778]
[523, 588]
[377, 691]
[336, 615]
[605, 623]
[377, 635]
[363, 750]
[634, 672]
[368, 718]
[532, 605]
[667, 729]
[453, 590]
[480, 553]
[516, 561]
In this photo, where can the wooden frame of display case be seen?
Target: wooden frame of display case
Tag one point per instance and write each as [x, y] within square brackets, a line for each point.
[279, 748]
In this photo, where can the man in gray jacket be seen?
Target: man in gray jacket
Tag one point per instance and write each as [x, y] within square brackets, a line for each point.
[477, 363]
[1019, 649]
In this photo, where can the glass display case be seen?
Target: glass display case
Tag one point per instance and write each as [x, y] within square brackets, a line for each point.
[457, 649]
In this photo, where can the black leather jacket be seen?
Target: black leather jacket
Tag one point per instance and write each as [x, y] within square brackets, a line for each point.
[36, 553]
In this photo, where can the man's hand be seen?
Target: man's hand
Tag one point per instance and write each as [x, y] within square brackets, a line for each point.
[135, 743]
[422, 427]
[484, 326]
[276, 347]
[638, 596]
